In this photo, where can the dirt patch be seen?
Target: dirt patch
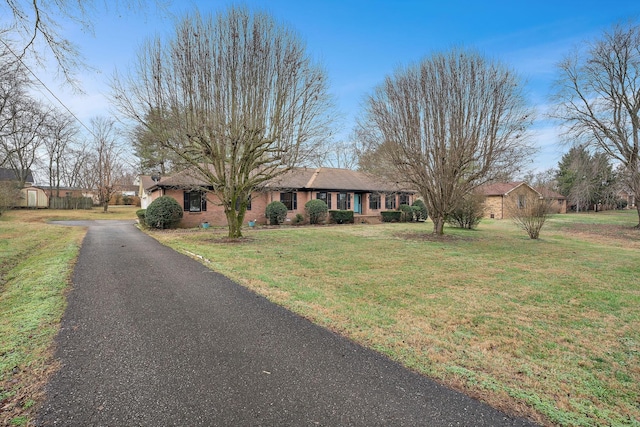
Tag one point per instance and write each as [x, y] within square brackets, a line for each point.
[26, 392]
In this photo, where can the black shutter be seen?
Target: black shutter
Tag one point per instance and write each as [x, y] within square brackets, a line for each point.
[203, 202]
[294, 196]
[348, 201]
[187, 206]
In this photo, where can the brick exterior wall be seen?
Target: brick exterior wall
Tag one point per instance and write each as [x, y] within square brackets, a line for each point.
[214, 214]
[493, 207]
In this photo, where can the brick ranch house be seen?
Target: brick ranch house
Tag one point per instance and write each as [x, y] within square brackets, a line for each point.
[341, 189]
[499, 195]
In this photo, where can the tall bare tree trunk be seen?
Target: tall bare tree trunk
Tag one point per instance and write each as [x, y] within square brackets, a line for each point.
[438, 225]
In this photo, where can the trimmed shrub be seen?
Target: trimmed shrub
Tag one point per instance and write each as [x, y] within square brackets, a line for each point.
[316, 210]
[341, 217]
[299, 219]
[140, 213]
[276, 212]
[421, 210]
[407, 213]
[163, 212]
[468, 213]
[391, 216]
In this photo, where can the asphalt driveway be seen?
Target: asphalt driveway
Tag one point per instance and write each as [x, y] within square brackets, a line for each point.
[151, 337]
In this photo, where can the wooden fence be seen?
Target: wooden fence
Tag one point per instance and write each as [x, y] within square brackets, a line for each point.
[70, 203]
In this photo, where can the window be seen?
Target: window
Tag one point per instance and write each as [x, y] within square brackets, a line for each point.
[195, 201]
[344, 201]
[325, 197]
[374, 201]
[404, 199]
[390, 201]
[522, 201]
[290, 200]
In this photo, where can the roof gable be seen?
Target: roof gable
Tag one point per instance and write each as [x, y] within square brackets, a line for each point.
[503, 188]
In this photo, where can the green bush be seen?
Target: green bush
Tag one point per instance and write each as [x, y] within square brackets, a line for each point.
[276, 212]
[407, 213]
[421, 209]
[316, 210]
[299, 219]
[163, 212]
[341, 217]
[391, 216]
[140, 213]
[468, 213]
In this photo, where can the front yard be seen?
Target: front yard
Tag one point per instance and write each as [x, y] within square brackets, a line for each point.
[547, 328]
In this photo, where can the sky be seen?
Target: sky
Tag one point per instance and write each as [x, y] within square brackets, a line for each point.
[360, 42]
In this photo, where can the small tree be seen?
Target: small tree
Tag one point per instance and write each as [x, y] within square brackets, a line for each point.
[421, 210]
[163, 212]
[276, 212]
[468, 213]
[407, 213]
[529, 212]
[316, 210]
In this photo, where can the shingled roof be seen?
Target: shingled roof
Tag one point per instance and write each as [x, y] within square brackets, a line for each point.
[499, 188]
[330, 179]
[7, 174]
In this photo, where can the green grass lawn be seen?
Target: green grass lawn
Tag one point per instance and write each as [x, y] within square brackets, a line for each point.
[36, 261]
[547, 328]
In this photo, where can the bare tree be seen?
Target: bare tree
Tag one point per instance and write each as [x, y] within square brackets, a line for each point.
[60, 134]
[103, 168]
[598, 95]
[73, 168]
[529, 211]
[38, 26]
[341, 155]
[241, 98]
[23, 136]
[445, 126]
[13, 93]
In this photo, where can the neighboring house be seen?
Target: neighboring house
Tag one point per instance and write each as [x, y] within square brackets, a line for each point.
[499, 196]
[125, 195]
[558, 201]
[8, 174]
[341, 189]
[628, 197]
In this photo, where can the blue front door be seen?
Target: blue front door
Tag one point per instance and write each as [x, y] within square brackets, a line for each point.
[357, 203]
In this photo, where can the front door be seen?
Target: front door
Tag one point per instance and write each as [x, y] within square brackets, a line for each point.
[357, 203]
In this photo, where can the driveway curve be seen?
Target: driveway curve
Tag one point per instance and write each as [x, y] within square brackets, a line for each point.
[151, 337]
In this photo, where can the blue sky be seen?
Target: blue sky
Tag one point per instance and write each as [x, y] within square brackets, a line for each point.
[360, 42]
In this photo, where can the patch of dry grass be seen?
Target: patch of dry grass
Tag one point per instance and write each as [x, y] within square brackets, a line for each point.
[547, 328]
